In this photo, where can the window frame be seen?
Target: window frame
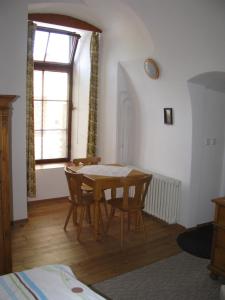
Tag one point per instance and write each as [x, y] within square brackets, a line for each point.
[60, 67]
[67, 21]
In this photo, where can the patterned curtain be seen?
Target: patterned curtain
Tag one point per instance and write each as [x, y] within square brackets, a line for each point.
[93, 95]
[31, 179]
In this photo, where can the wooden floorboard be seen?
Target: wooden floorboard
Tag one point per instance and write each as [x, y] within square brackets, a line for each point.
[41, 240]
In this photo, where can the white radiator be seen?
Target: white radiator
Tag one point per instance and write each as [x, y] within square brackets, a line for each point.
[163, 198]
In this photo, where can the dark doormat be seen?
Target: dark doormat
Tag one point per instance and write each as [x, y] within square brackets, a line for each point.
[197, 241]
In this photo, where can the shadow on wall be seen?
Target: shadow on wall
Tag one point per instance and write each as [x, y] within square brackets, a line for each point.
[128, 125]
[207, 92]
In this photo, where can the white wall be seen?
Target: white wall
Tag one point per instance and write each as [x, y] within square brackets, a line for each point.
[50, 183]
[185, 37]
[12, 81]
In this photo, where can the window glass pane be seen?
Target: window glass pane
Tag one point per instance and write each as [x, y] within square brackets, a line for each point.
[54, 144]
[55, 115]
[58, 48]
[37, 137]
[38, 85]
[40, 44]
[55, 86]
[37, 115]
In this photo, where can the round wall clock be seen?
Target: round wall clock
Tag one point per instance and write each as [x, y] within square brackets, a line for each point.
[151, 68]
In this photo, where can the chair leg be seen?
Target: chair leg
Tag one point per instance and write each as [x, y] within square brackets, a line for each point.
[111, 214]
[68, 216]
[137, 224]
[121, 229]
[128, 221]
[136, 221]
[105, 204]
[143, 223]
[75, 215]
[101, 221]
[88, 214]
[106, 209]
[82, 213]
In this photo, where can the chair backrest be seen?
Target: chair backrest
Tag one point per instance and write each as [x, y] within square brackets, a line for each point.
[92, 160]
[135, 191]
[74, 181]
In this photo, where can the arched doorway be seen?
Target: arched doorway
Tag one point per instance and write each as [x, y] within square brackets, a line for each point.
[207, 92]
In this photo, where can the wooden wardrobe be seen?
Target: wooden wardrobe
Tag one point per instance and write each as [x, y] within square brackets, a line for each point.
[217, 264]
[5, 183]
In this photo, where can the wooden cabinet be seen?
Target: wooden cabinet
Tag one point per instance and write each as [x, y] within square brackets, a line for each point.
[5, 186]
[217, 265]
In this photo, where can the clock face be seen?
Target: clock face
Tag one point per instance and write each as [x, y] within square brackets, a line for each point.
[151, 68]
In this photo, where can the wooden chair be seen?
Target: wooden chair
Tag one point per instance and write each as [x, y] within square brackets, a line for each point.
[91, 160]
[131, 202]
[78, 199]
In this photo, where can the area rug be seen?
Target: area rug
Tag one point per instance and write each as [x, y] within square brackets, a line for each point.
[197, 241]
[179, 277]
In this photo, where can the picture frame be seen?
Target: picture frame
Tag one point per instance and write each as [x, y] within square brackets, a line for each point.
[168, 115]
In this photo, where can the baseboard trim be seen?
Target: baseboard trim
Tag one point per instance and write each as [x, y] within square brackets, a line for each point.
[19, 222]
[199, 225]
[22, 222]
[59, 199]
[204, 224]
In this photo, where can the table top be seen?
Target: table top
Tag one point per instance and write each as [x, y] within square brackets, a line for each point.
[132, 172]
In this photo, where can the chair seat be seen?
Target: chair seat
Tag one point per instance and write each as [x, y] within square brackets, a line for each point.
[118, 203]
[86, 188]
[87, 199]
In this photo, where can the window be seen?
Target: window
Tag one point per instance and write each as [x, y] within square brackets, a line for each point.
[54, 51]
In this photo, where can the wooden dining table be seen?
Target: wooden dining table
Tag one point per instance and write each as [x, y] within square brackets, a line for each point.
[100, 183]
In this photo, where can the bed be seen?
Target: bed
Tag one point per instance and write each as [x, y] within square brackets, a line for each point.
[50, 282]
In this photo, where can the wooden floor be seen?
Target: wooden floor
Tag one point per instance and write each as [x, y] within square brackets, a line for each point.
[42, 240]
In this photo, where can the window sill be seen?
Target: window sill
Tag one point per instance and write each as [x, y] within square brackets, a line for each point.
[50, 166]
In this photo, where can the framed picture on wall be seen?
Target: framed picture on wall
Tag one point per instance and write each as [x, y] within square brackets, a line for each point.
[168, 115]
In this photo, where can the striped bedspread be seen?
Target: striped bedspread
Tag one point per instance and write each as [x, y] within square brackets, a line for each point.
[50, 282]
